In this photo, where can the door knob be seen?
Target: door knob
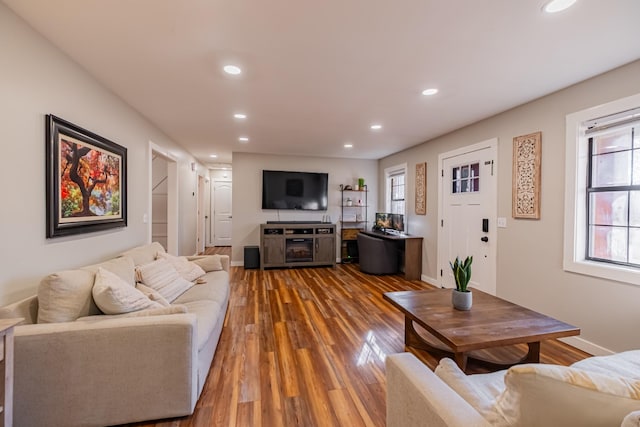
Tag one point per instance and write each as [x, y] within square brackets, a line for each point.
[484, 239]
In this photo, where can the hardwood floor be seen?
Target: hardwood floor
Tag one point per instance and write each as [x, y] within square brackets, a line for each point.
[306, 347]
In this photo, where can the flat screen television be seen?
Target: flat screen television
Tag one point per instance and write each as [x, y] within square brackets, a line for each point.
[389, 222]
[295, 190]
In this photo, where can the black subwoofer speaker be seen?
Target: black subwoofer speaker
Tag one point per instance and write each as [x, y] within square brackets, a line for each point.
[251, 257]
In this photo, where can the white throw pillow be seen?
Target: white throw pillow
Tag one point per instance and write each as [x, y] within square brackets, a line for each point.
[152, 294]
[552, 395]
[188, 270]
[208, 262]
[161, 276]
[115, 296]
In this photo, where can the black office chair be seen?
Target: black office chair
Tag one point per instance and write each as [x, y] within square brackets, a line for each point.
[377, 256]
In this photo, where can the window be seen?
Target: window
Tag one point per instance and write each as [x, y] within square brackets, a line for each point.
[396, 189]
[602, 191]
[466, 178]
[613, 194]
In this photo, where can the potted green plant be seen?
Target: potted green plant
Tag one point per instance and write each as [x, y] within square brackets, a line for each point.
[461, 297]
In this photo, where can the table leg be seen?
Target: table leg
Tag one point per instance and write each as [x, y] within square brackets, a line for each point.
[533, 356]
[461, 360]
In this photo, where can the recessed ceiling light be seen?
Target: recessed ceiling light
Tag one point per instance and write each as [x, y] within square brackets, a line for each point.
[557, 5]
[213, 156]
[348, 145]
[376, 127]
[240, 116]
[243, 139]
[232, 69]
[429, 92]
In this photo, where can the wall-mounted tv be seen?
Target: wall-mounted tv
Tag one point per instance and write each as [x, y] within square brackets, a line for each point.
[295, 190]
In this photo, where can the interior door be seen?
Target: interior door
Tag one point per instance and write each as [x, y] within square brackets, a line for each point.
[222, 215]
[468, 215]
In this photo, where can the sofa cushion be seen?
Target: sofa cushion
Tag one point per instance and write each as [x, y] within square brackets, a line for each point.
[152, 294]
[144, 254]
[625, 364]
[216, 289]
[172, 309]
[123, 267]
[208, 314]
[115, 296]
[161, 276]
[479, 390]
[209, 262]
[186, 269]
[546, 395]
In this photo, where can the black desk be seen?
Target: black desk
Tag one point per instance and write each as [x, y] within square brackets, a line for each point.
[411, 246]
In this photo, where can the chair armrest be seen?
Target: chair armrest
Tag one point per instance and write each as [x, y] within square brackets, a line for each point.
[416, 396]
[105, 372]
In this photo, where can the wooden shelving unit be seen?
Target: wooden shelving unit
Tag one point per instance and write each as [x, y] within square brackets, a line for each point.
[297, 245]
[353, 219]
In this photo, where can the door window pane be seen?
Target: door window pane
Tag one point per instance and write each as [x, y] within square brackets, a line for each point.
[634, 208]
[466, 179]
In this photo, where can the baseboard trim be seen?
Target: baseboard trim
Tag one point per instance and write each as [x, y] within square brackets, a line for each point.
[588, 346]
[430, 280]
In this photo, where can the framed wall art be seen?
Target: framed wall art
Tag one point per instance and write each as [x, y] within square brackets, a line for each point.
[86, 180]
[421, 189]
[527, 152]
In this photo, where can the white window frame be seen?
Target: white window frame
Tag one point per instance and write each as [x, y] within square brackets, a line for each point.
[388, 173]
[575, 210]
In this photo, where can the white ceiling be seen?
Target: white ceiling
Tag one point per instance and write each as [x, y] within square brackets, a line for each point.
[318, 73]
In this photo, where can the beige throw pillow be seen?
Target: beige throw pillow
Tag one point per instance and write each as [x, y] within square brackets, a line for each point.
[152, 294]
[66, 295]
[115, 296]
[209, 263]
[162, 277]
[188, 270]
[552, 395]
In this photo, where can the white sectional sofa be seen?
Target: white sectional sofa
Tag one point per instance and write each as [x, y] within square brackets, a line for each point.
[596, 392]
[84, 368]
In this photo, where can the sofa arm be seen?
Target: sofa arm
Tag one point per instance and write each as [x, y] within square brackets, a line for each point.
[417, 397]
[105, 372]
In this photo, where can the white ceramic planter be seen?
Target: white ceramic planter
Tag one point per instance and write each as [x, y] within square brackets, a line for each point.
[461, 300]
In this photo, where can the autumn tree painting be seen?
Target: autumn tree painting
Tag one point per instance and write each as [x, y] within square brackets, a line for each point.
[89, 181]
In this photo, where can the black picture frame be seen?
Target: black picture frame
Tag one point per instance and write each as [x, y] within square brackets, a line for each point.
[86, 180]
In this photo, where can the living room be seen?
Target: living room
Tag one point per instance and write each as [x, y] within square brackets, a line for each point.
[39, 79]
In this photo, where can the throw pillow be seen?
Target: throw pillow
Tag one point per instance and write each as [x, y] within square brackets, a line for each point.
[152, 294]
[66, 295]
[161, 276]
[188, 270]
[552, 395]
[209, 262]
[115, 296]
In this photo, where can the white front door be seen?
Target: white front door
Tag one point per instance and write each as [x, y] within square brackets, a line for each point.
[222, 213]
[468, 213]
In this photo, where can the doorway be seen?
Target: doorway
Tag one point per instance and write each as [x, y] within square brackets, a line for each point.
[163, 198]
[222, 213]
[467, 214]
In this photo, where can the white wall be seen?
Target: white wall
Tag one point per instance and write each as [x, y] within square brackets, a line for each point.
[247, 192]
[530, 251]
[37, 79]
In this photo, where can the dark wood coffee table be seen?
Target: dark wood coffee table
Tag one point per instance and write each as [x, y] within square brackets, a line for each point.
[491, 322]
